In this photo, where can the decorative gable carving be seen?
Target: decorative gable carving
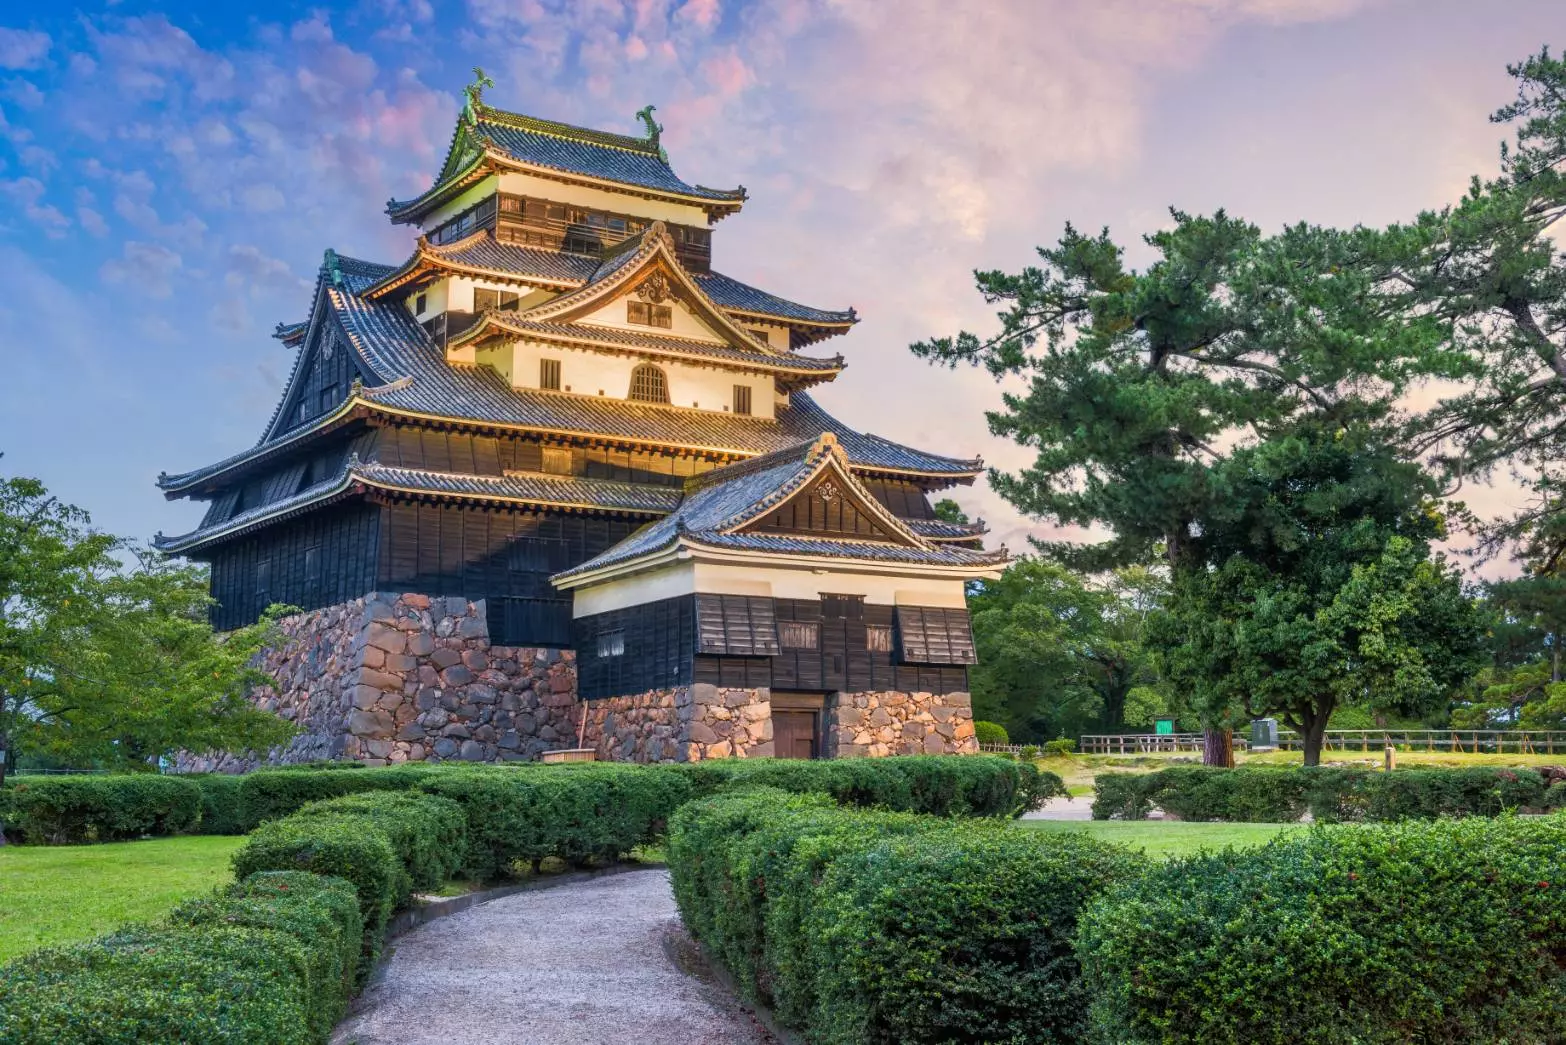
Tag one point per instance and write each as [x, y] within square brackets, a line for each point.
[827, 507]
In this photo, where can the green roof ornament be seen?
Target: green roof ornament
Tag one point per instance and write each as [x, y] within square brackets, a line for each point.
[654, 128]
[334, 271]
[475, 90]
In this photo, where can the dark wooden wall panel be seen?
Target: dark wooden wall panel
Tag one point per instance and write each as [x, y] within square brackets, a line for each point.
[339, 543]
[504, 557]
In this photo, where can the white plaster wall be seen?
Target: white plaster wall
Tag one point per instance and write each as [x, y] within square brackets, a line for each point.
[586, 373]
[688, 577]
[599, 199]
[434, 300]
[685, 322]
[461, 203]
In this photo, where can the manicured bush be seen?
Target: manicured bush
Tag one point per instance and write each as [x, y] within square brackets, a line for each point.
[990, 732]
[346, 847]
[271, 794]
[214, 984]
[888, 927]
[1330, 794]
[579, 814]
[222, 810]
[429, 834]
[1059, 747]
[1416, 932]
[321, 913]
[941, 785]
[75, 809]
[961, 935]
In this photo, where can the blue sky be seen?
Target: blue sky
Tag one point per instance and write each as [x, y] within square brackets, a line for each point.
[171, 173]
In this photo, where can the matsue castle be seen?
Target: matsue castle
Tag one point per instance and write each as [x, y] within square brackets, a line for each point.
[553, 481]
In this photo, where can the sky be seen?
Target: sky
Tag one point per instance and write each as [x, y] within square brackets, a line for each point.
[170, 174]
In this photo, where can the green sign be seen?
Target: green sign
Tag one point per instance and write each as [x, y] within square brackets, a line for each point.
[1164, 726]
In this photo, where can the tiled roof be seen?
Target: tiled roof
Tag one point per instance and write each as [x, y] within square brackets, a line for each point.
[530, 488]
[655, 344]
[409, 374]
[731, 294]
[577, 150]
[530, 142]
[482, 251]
[719, 503]
[940, 530]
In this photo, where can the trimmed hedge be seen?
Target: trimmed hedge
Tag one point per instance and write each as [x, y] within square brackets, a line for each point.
[939, 785]
[887, 927]
[428, 834]
[579, 814]
[268, 961]
[271, 794]
[74, 809]
[990, 732]
[222, 812]
[1329, 794]
[1427, 932]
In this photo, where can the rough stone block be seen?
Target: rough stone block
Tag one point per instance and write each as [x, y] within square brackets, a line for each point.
[385, 638]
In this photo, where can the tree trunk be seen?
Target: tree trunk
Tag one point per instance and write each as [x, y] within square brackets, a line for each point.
[1218, 747]
[1315, 733]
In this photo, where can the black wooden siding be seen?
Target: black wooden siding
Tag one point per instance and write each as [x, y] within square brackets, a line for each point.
[323, 386]
[342, 566]
[667, 643]
[412, 447]
[505, 557]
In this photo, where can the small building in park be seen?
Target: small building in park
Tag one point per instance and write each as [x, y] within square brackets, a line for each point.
[554, 479]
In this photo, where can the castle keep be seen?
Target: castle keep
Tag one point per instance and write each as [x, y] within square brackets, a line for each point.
[555, 475]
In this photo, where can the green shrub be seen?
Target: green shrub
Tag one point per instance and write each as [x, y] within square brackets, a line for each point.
[1555, 796]
[1060, 747]
[941, 785]
[961, 935]
[429, 834]
[222, 811]
[1417, 932]
[346, 847]
[321, 913]
[872, 926]
[579, 814]
[1331, 794]
[214, 984]
[272, 794]
[990, 732]
[75, 809]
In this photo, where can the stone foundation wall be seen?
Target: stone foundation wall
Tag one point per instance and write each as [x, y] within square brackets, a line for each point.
[894, 723]
[682, 724]
[405, 678]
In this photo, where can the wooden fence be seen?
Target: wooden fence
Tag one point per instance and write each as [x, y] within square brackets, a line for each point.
[1457, 741]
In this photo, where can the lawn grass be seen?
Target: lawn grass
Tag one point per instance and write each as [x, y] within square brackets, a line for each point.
[1166, 838]
[61, 894]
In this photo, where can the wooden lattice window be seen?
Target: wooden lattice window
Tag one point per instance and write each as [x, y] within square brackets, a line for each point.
[645, 313]
[611, 644]
[549, 374]
[799, 634]
[742, 399]
[485, 299]
[648, 385]
[878, 638]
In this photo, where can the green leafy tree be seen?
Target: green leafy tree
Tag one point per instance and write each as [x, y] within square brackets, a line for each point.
[1057, 655]
[108, 663]
[1318, 590]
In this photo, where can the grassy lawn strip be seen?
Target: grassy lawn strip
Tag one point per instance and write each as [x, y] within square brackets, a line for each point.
[60, 894]
[1164, 838]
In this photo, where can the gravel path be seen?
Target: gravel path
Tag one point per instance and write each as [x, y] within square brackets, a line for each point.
[1079, 808]
[600, 961]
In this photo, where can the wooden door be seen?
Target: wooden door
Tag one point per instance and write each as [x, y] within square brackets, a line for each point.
[794, 733]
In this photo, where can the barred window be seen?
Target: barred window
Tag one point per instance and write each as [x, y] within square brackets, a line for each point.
[611, 644]
[878, 638]
[549, 374]
[742, 399]
[648, 385]
[799, 634]
[646, 314]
